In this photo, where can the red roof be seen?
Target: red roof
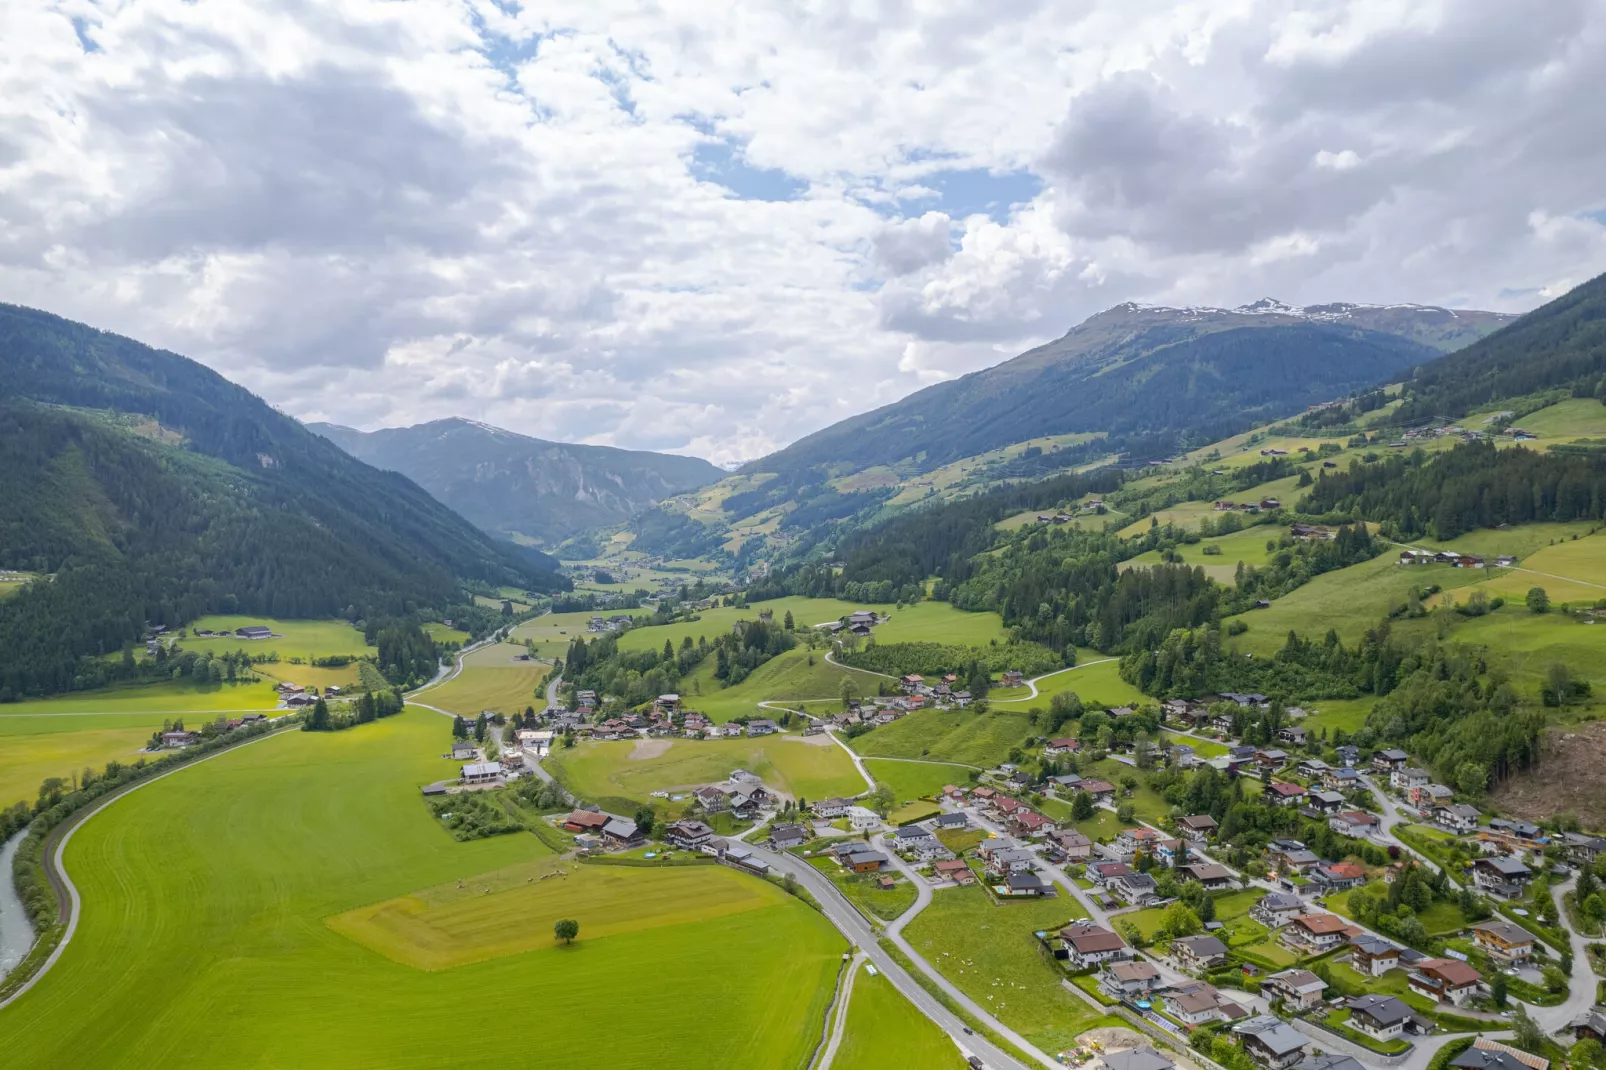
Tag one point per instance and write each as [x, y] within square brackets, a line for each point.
[1285, 790]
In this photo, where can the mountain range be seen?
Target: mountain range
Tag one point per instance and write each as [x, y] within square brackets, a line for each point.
[154, 490]
[1162, 378]
[513, 485]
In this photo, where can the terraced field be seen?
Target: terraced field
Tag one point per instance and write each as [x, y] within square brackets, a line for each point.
[225, 894]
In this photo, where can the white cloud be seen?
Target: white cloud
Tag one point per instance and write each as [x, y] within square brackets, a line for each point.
[556, 217]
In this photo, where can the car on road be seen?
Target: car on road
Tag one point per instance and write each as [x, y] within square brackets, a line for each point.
[976, 1063]
[969, 1032]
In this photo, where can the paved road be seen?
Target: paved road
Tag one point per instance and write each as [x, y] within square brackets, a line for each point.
[852, 925]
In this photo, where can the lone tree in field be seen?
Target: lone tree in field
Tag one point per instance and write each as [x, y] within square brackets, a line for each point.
[566, 930]
[1081, 806]
[1538, 601]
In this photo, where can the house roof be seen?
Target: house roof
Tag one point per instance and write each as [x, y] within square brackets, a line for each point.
[1088, 938]
[590, 819]
[1385, 1010]
[1137, 1059]
[952, 820]
[950, 865]
[1330, 1062]
[912, 832]
[1111, 870]
[1096, 787]
[1287, 791]
[1194, 1000]
[1375, 946]
[1272, 1033]
[1201, 946]
[1297, 979]
[1321, 924]
[1345, 870]
[1508, 931]
[1198, 821]
[1280, 901]
[1021, 881]
[1492, 1055]
[1138, 970]
[1506, 867]
[1454, 972]
[622, 827]
[1209, 871]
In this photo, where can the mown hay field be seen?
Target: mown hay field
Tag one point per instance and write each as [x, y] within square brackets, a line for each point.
[810, 767]
[884, 1029]
[58, 737]
[491, 679]
[205, 939]
[298, 638]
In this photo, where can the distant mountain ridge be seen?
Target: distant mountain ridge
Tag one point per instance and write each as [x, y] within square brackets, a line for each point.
[512, 484]
[1150, 375]
[155, 491]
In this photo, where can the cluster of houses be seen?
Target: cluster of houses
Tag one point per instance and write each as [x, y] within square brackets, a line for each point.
[859, 623]
[250, 631]
[1453, 558]
[616, 623]
[943, 692]
[665, 719]
[1265, 504]
[180, 737]
[742, 794]
[294, 696]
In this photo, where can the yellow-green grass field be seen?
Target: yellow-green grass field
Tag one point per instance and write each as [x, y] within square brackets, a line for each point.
[446, 926]
[300, 638]
[810, 767]
[490, 680]
[884, 1029]
[553, 632]
[1527, 644]
[1231, 910]
[1096, 678]
[1526, 540]
[915, 780]
[1333, 714]
[960, 736]
[208, 896]
[1247, 546]
[59, 736]
[990, 953]
[1566, 420]
[442, 634]
[788, 678]
[935, 622]
[519, 606]
[1348, 600]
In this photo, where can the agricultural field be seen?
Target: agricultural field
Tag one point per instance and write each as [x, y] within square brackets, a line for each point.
[1247, 546]
[12, 582]
[442, 634]
[1349, 600]
[884, 1029]
[797, 676]
[490, 680]
[1333, 714]
[299, 638]
[1095, 677]
[963, 737]
[1527, 644]
[60, 736]
[713, 622]
[553, 632]
[1566, 420]
[863, 890]
[915, 780]
[228, 885]
[990, 953]
[809, 767]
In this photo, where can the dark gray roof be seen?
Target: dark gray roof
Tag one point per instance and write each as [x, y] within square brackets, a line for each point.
[1386, 1010]
[1483, 1059]
[1202, 946]
[1507, 867]
[1137, 1059]
[1330, 1062]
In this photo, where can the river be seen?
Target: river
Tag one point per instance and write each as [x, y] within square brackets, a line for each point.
[16, 932]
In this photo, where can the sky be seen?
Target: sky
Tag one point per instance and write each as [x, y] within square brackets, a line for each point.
[712, 228]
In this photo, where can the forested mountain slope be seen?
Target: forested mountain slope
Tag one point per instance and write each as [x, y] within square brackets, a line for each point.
[1561, 345]
[513, 484]
[155, 490]
[1171, 376]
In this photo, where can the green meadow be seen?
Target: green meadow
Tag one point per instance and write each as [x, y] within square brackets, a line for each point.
[299, 638]
[58, 737]
[936, 622]
[553, 632]
[797, 676]
[1527, 644]
[1247, 546]
[293, 903]
[811, 767]
[491, 679]
[960, 736]
[1096, 678]
[884, 1029]
[915, 780]
[990, 953]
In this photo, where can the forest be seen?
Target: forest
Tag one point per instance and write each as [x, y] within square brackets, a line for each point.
[1472, 486]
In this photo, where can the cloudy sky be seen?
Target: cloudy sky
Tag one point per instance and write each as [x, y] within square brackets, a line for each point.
[712, 228]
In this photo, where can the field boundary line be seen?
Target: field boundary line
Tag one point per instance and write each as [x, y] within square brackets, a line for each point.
[831, 1037]
[55, 860]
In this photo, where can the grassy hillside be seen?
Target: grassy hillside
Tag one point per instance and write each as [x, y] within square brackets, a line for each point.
[301, 884]
[811, 767]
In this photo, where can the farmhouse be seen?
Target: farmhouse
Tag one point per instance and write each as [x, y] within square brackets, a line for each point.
[1199, 952]
[1129, 980]
[1379, 1017]
[1504, 940]
[585, 821]
[1277, 909]
[691, 835]
[1315, 933]
[1445, 980]
[1271, 1042]
[954, 869]
[180, 738]
[1373, 956]
[1504, 877]
[1212, 875]
[1091, 944]
[762, 728]
[621, 833]
[1299, 989]
[254, 631]
[1058, 747]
